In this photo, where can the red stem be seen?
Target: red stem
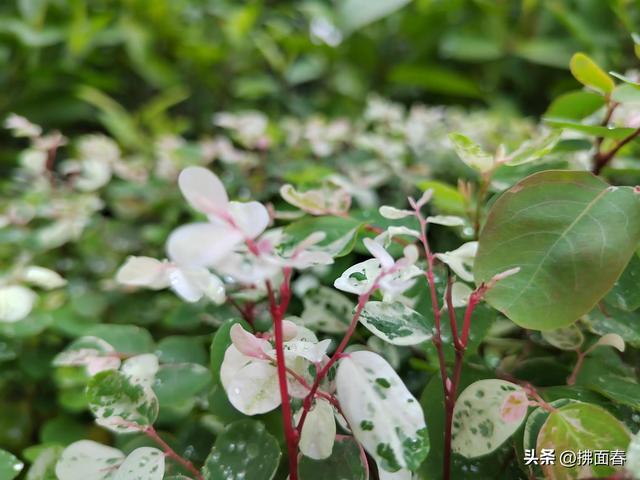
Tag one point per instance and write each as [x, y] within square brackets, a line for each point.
[170, 453]
[277, 313]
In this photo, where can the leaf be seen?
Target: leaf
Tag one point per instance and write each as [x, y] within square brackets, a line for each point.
[471, 153]
[587, 72]
[536, 420]
[355, 14]
[326, 309]
[341, 233]
[244, 450]
[395, 323]
[531, 151]
[383, 415]
[570, 233]
[222, 340]
[126, 339]
[10, 466]
[486, 414]
[433, 78]
[144, 463]
[16, 303]
[319, 431]
[625, 293]
[345, 462]
[594, 130]
[581, 426]
[567, 338]
[120, 405]
[86, 459]
[626, 94]
[575, 105]
[625, 324]
[633, 456]
[612, 383]
[181, 349]
[178, 383]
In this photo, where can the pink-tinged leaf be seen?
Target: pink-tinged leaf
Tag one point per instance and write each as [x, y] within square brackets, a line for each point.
[248, 344]
[201, 244]
[203, 190]
[514, 407]
[250, 217]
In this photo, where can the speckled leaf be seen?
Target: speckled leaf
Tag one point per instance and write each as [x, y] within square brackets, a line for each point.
[471, 153]
[86, 460]
[486, 414]
[245, 450]
[120, 405]
[345, 463]
[566, 338]
[327, 310]
[384, 417]
[581, 426]
[395, 323]
[319, 431]
[341, 233]
[144, 463]
[625, 324]
[10, 466]
[536, 420]
[571, 234]
[616, 384]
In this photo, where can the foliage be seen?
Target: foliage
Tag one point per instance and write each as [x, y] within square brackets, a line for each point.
[383, 291]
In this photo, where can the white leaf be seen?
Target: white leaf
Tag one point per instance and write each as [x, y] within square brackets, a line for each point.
[251, 385]
[633, 456]
[143, 272]
[460, 293]
[446, 220]
[144, 463]
[88, 460]
[43, 277]
[393, 213]
[377, 250]
[203, 190]
[202, 244]
[319, 431]
[16, 303]
[141, 369]
[461, 260]
[611, 339]
[486, 414]
[395, 323]
[93, 353]
[248, 344]
[385, 418]
[471, 153]
[251, 217]
[359, 278]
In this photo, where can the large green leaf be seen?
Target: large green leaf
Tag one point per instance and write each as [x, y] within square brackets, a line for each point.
[345, 462]
[244, 450]
[625, 293]
[575, 105]
[570, 233]
[625, 324]
[581, 426]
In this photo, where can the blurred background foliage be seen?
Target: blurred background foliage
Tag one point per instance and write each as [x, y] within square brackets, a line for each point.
[201, 56]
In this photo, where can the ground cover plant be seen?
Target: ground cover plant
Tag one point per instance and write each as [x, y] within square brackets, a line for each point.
[401, 291]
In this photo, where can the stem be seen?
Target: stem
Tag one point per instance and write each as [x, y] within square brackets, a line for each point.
[571, 380]
[170, 452]
[277, 313]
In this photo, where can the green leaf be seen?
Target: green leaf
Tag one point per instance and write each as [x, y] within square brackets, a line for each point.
[180, 382]
[326, 309]
[341, 233]
[581, 426]
[384, 417]
[181, 349]
[471, 153]
[345, 462]
[587, 72]
[616, 384]
[536, 420]
[355, 14]
[575, 105]
[120, 405]
[570, 233]
[625, 324]
[486, 414]
[625, 293]
[566, 338]
[595, 130]
[126, 339]
[10, 466]
[395, 323]
[435, 79]
[244, 450]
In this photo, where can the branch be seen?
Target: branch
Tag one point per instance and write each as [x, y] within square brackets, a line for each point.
[170, 452]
